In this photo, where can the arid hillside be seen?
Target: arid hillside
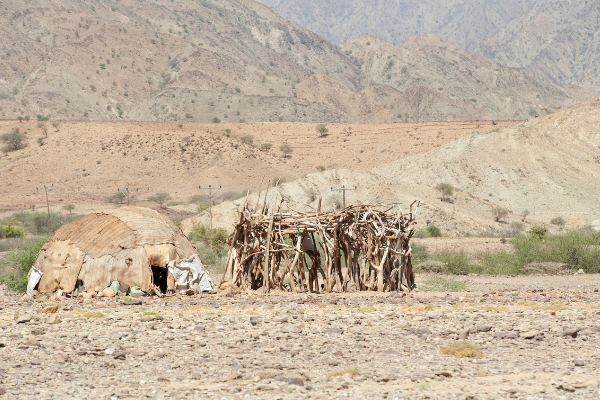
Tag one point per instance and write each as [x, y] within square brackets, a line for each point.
[558, 39]
[548, 166]
[236, 61]
[87, 161]
[464, 23]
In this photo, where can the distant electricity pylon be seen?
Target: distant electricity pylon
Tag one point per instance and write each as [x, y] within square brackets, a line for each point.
[128, 193]
[343, 189]
[210, 191]
[46, 189]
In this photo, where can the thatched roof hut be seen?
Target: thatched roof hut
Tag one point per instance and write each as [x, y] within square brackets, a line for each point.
[130, 244]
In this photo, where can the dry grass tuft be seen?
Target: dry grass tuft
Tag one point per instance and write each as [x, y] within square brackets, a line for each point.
[341, 372]
[462, 348]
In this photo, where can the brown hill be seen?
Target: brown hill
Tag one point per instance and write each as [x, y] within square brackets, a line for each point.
[87, 161]
[236, 61]
[558, 39]
[457, 84]
[549, 166]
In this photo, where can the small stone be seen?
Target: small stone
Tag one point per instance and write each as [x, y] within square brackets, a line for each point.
[463, 334]
[202, 343]
[148, 318]
[22, 319]
[579, 363]
[199, 328]
[196, 376]
[48, 310]
[444, 373]
[499, 335]
[86, 296]
[333, 362]
[32, 342]
[483, 328]
[35, 361]
[254, 320]
[110, 351]
[384, 378]
[572, 332]
[61, 358]
[174, 325]
[566, 388]
[233, 376]
[296, 381]
[26, 297]
[108, 292]
[529, 334]
[40, 379]
[53, 319]
[87, 360]
[100, 304]
[136, 302]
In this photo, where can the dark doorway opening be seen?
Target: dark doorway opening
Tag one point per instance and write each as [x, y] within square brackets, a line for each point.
[159, 277]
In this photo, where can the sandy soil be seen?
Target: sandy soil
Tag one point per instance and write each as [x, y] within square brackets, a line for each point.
[537, 337]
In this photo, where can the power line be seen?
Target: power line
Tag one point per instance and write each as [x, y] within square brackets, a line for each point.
[343, 189]
[210, 191]
[46, 190]
[127, 193]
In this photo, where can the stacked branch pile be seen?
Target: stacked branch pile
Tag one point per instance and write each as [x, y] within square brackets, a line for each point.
[360, 247]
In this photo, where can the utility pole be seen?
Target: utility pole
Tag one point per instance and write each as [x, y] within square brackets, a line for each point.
[46, 190]
[128, 193]
[343, 189]
[210, 191]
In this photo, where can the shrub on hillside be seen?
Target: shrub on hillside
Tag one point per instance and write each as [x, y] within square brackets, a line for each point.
[19, 264]
[14, 140]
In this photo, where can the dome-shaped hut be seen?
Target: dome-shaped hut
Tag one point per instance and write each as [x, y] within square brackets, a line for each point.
[130, 244]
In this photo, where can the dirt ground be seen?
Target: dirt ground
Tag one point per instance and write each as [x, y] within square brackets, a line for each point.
[537, 336]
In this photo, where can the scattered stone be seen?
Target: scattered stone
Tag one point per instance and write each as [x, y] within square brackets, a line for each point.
[530, 334]
[110, 351]
[566, 388]
[444, 373]
[572, 332]
[483, 328]
[199, 328]
[101, 304]
[499, 335]
[579, 363]
[147, 318]
[26, 297]
[61, 358]
[174, 325]
[35, 361]
[254, 320]
[233, 376]
[22, 319]
[108, 292]
[53, 319]
[32, 342]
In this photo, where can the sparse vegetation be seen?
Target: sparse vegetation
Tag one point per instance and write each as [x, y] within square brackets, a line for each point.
[322, 129]
[18, 263]
[216, 120]
[524, 215]
[247, 139]
[558, 221]
[446, 191]
[118, 197]
[286, 149]
[441, 284]
[69, 207]
[160, 198]
[499, 213]
[11, 230]
[462, 348]
[266, 146]
[14, 140]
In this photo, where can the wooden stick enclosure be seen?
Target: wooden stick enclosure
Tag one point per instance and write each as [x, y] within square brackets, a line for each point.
[360, 247]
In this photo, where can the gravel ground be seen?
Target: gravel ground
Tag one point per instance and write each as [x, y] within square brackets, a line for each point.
[535, 343]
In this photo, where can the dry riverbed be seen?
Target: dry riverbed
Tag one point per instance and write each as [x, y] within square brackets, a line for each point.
[535, 343]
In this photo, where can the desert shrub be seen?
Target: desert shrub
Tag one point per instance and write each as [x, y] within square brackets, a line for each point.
[214, 237]
[558, 221]
[286, 149]
[118, 197]
[320, 168]
[160, 198]
[216, 120]
[247, 139]
[19, 263]
[539, 232]
[69, 207]
[322, 129]
[36, 223]
[455, 261]
[232, 195]
[441, 284]
[499, 213]
[14, 140]
[462, 348]
[266, 146]
[446, 191]
[11, 230]
[524, 215]
[419, 253]
[434, 231]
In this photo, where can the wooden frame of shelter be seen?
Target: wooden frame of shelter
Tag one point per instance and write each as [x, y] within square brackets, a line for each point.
[360, 247]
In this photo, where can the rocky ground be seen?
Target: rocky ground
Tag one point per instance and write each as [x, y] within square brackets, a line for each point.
[535, 343]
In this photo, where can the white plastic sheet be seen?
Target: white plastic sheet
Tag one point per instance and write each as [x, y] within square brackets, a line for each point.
[190, 274]
[33, 278]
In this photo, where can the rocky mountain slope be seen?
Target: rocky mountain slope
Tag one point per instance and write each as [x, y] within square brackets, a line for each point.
[236, 61]
[559, 39]
[462, 22]
[548, 166]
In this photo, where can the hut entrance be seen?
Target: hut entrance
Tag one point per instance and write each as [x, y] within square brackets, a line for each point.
[159, 277]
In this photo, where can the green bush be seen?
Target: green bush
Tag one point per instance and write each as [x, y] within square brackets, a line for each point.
[499, 213]
[118, 197]
[446, 191]
[14, 140]
[538, 232]
[160, 198]
[214, 237]
[232, 195]
[434, 231]
[558, 221]
[36, 223]
[19, 263]
[11, 230]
